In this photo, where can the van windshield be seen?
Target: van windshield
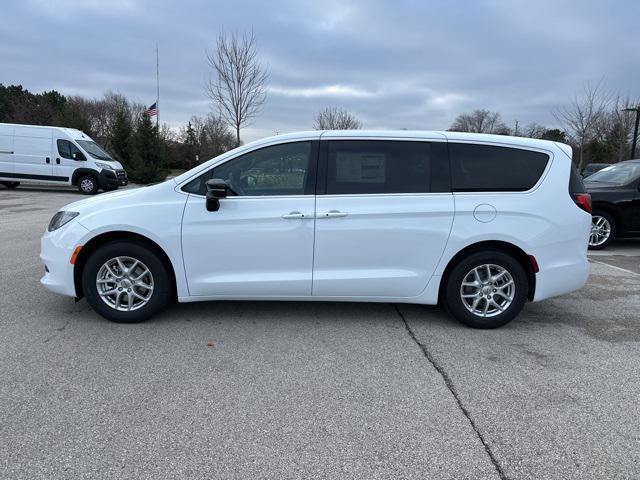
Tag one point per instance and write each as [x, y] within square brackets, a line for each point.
[94, 150]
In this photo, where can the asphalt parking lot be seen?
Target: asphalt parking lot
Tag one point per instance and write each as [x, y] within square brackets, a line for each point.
[313, 390]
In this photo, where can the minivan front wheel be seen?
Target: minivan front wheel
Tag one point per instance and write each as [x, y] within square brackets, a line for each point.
[11, 184]
[126, 282]
[486, 289]
[87, 184]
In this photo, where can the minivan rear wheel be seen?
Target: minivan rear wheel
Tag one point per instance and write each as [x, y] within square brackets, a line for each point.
[126, 282]
[486, 289]
[11, 184]
[87, 184]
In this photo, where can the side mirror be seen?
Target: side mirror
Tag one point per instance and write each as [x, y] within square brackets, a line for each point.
[216, 189]
[78, 156]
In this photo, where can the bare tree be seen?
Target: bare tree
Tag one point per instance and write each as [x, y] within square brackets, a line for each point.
[216, 138]
[480, 121]
[334, 118]
[582, 116]
[533, 130]
[238, 82]
[615, 127]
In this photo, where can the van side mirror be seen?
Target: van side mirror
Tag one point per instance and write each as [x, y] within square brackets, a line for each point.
[216, 189]
[78, 156]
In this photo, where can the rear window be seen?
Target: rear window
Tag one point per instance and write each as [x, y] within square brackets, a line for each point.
[487, 168]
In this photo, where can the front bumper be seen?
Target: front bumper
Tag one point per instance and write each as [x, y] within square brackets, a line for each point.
[56, 249]
[112, 179]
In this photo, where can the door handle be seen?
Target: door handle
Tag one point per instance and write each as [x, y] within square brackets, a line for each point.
[58, 161]
[294, 215]
[333, 214]
[48, 160]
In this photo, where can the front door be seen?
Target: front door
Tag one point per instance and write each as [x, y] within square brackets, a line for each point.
[635, 207]
[384, 219]
[67, 157]
[260, 241]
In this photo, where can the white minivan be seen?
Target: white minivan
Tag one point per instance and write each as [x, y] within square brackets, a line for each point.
[477, 223]
[56, 156]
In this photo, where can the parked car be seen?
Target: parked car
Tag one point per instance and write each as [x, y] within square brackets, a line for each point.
[479, 223]
[56, 156]
[592, 168]
[616, 203]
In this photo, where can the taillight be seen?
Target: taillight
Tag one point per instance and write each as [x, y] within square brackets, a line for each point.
[583, 200]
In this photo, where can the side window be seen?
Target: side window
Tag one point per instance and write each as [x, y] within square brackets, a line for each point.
[67, 149]
[378, 166]
[486, 168]
[64, 149]
[275, 170]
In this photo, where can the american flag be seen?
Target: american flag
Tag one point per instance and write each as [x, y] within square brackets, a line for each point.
[152, 110]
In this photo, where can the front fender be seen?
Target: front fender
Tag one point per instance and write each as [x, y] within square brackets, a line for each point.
[158, 219]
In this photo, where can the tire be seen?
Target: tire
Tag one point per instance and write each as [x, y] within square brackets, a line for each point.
[87, 185]
[603, 230]
[472, 270]
[11, 185]
[128, 251]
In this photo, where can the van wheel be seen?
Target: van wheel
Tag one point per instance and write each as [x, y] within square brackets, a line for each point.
[87, 184]
[486, 289]
[126, 282]
[603, 230]
[11, 184]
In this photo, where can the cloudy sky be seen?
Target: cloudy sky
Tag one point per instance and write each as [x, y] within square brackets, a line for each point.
[395, 64]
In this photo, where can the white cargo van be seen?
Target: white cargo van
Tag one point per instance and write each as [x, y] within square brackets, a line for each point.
[56, 156]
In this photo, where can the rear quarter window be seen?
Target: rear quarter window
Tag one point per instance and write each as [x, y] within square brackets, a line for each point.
[576, 185]
[488, 168]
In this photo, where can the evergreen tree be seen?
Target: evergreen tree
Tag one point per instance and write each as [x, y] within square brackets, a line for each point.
[555, 135]
[147, 164]
[121, 140]
[191, 147]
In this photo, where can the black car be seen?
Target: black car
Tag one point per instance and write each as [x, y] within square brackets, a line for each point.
[615, 195]
[592, 168]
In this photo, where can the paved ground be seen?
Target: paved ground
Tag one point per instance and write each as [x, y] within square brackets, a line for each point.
[313, 390]
[623, 254]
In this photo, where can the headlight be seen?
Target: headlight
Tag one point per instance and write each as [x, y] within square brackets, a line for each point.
[60, 219]
[106, 166]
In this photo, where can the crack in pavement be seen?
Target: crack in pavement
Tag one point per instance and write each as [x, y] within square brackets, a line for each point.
[452, 389]
[58, 330]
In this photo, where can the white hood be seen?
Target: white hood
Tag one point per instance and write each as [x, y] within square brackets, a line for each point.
[106, 200]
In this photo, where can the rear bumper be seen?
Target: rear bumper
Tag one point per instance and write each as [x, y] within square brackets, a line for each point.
[561, 279]
[564, 267]
[112, 179]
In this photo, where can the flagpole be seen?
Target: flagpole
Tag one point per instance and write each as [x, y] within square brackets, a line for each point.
[157, 88]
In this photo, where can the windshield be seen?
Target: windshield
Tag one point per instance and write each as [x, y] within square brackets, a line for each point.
[94, 150]
[617, 174]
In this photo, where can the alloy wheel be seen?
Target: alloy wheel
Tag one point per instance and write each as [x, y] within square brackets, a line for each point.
[124, 283]
[487, 290]
[600, 231]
